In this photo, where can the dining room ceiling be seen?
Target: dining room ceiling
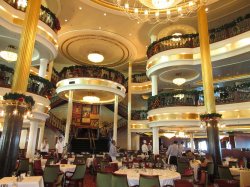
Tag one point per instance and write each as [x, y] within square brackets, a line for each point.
[88, 26]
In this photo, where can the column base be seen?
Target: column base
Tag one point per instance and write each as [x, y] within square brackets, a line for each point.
[9, 142]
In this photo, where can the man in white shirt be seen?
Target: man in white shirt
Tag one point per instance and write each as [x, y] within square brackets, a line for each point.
[144, 147]
[150, 148]
[59, 148]
[172, 153]
[44, 149]
[181, 148]
[113, 151]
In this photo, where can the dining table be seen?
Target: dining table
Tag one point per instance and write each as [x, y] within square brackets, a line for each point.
[244, 174]
[166, 176]
[34, 181]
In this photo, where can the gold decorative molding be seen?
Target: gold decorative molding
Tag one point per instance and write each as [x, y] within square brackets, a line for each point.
[169, 116]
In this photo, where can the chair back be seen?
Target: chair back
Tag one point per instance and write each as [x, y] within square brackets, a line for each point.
[149, 181]
[103, 179]
[227, 183]
[51, 173]
[204, 178]
[119, 180]
[37, 164]
[181, 166]
[104, 164]
[182, 183]
[210, 168]
[79, 172]
[23, 166]
[64, 161]
[224, 173]
[232, 163]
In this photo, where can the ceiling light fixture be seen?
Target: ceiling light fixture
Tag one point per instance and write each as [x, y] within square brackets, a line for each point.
[22, 3]
[9, 54]
[169, 135]
[155, 11]
[95, 57]
[176, 38]
[91, 99]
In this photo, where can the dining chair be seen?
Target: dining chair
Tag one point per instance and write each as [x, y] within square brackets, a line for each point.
[203, 179]
[104, 179]
[76, 178]
[182, 183]
[224, 173]
[119, 180]
[79, 160]
[210, 172]
[227, 183]
[182, 165]
[37, 168]
[149, 181]
[52, 176]
[64, 161]
[23, 165]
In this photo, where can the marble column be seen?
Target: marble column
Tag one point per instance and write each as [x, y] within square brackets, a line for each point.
[192, 142]
[43, 67]
[69, 118]
[115, 118]
[154, 80]
[155, 140]
[214, 147]
[31, 148]
[9, 143]
[129, 105]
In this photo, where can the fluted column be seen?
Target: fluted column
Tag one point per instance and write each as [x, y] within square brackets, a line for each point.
[154, 80]
[192, 142]
[41, 135]
[69, 117]
[208, 87]
[129, 105]
[155, 140]
[31, 148]
[9, 142]
[43, 67]
[115, 118]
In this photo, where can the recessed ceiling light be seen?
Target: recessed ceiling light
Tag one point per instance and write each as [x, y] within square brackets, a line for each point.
[138, 22]
[100, 28]
[95, 57]
[105, 14]
[130, 34]
[206, 9]
[80, 8]
[65, 20]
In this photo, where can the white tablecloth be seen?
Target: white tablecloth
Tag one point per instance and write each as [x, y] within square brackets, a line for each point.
[244, 176]
[195, 165]
[226, 163]
[89, 162]
[166, 176]
[35, 181]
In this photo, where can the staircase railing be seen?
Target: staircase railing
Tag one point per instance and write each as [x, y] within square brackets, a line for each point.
[56, 123]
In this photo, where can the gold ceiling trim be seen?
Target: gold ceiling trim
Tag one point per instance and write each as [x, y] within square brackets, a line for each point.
[64, 48]
[18, 21]
[170, 58]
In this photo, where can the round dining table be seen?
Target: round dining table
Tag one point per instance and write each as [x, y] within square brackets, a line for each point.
[166, 176]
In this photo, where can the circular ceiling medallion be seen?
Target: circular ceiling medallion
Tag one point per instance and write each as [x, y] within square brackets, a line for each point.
[187, 74]
[77, 45]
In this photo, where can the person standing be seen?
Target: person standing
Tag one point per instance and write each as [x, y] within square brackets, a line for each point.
[144, 147]
[172, 153]
[181, 148]
[113, 151]
[59, 148]
[150, 148]
[44, 149]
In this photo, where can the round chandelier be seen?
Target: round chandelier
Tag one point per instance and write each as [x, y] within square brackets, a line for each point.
[154, 11]
[169, 135]
[9, 54]
[179, 81]
[95, 57]
[91, 99]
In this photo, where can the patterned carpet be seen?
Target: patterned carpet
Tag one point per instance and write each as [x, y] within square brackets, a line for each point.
[89, 180]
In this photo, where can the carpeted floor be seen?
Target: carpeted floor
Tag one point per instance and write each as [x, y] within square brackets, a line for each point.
[89, 180]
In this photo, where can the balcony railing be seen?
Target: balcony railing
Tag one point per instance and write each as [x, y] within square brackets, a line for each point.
[139, 114]
[140, 78]
[92, 72]
[46, 16]
[236, 27]
[224, 95]
[36, 85]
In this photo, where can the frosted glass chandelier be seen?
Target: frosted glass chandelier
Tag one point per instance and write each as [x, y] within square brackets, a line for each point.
[91, 99]
[154, 11]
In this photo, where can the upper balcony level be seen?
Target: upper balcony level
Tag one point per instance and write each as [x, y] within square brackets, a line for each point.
[11, 20]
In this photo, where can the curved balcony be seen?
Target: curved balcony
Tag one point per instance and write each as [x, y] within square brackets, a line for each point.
[36, 85]
[46, 16]
[236, 27]
[223, 95]
[92, 72]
